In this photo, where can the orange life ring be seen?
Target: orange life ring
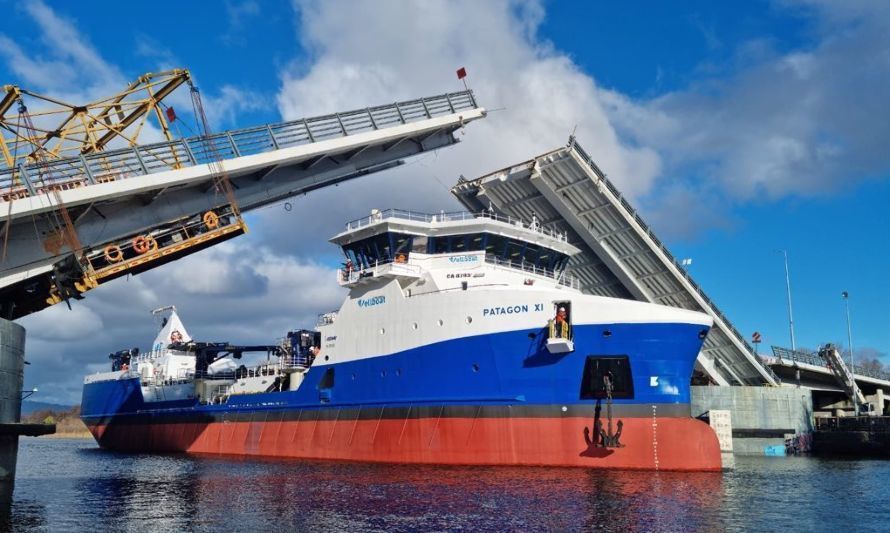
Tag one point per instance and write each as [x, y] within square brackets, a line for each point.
[400, 258]
[211, 220]
[113, 253]
[144, 243]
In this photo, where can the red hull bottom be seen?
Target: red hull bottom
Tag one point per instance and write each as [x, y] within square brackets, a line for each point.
[683, 444]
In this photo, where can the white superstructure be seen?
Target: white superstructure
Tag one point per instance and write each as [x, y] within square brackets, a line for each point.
[419, 279]
[415, 281]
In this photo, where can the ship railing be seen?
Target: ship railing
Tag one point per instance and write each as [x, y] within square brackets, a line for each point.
[161, 380]
[219, 394]
[262, 370]
[562, 277]
[456, 216]
[222, 374]
[393, 267]
[325, 319]
[24, 181]
[293, 362]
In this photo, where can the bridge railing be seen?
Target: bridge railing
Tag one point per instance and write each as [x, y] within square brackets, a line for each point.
[113, 165]
[682, 271]
[811, 358]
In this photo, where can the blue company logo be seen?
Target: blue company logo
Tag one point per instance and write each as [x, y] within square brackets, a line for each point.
[464, 259]
[372, 301]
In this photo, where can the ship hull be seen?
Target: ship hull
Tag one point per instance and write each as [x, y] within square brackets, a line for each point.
[647, 442]
[497, 399]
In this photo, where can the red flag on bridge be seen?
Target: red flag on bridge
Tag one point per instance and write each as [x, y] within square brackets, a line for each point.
[461, 73]
[171, 114]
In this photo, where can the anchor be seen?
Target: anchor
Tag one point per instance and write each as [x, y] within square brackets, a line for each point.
[604, 438]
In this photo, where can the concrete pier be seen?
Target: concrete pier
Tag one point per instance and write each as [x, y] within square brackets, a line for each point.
[12, 364]
[762, 417]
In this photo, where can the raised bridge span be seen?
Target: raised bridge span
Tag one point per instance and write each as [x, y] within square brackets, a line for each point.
[566, 192]
[168, 193]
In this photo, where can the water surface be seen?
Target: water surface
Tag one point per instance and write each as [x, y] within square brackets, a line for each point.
[72, 485]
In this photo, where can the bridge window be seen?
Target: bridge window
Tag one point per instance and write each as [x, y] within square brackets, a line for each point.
[400, 243]
[531, 256]
[473, 242]
[381, 248]
[545, 259]
[495, 246]
[514, 251]
[419, 244]
[441, 245]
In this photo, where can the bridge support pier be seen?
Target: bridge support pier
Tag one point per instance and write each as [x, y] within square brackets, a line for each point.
[12, 365]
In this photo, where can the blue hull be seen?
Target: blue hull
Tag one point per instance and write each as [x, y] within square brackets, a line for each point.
[500, 369]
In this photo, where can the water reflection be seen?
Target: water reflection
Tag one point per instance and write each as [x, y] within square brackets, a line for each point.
[71, 485]
[315, 495]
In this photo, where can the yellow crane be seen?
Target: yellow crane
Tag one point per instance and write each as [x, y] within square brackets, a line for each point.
[46, 128]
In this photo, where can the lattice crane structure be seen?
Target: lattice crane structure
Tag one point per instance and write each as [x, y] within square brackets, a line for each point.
[62, 129]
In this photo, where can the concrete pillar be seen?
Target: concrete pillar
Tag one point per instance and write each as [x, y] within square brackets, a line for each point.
[12, 364]
[876, 401]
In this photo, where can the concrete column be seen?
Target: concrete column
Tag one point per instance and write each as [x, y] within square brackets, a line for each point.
[12, 364]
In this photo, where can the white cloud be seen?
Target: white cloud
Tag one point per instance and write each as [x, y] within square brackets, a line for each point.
[805, 122]
[365, 53]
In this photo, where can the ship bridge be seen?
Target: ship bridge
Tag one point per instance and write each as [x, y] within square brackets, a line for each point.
[386, 244]
[620, 255]
[109, 213]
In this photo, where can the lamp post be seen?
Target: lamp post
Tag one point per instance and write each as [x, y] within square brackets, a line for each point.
[846, 296]
[788, 287]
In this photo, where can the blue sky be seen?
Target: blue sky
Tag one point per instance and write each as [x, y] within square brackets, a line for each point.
[737, 128]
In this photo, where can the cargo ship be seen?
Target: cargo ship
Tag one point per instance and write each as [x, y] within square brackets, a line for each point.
[463, 339]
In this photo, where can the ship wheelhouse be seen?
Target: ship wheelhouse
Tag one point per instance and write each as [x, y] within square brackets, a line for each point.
[395, 243]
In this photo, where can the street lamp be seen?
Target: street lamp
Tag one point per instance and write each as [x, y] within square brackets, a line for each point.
[846, 296]
[788, 287]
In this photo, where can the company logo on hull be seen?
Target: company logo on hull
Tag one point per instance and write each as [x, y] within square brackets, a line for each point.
[372, 301]
[464, 259]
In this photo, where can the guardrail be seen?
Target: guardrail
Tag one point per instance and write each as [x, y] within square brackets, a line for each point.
[31, 180]
[562, 278]
[456, 216]
[346, 276]
[814, 359]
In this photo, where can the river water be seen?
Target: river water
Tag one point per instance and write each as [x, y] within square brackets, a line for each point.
[71, 485]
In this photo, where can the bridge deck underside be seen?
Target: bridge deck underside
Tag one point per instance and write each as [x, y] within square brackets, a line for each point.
[264, 165]
[620, 256]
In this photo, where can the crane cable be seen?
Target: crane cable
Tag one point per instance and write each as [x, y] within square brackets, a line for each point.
[70, 234]
[8, 225]
[220, 176]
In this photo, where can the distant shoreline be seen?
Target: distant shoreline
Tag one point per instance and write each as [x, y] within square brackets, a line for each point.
[70, 435]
